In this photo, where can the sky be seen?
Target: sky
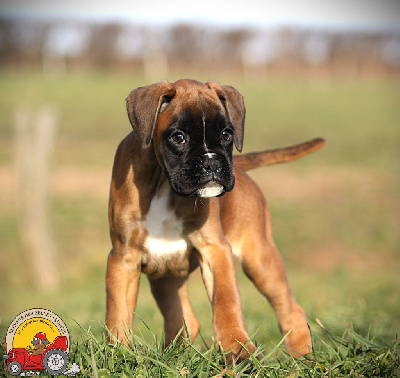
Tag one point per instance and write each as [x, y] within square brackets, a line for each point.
[365, 14]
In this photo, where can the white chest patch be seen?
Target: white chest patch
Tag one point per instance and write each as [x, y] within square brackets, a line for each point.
[164, 229]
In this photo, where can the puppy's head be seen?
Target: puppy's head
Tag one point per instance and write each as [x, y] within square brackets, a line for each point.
[192, 128]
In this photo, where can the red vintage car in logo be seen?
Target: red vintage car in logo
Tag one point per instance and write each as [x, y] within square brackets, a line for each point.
[53, 358]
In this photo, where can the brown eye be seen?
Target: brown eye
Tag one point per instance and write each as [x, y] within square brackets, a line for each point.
[178, 138]
[226, 135]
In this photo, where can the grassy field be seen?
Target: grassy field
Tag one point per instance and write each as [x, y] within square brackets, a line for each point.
[335, 213]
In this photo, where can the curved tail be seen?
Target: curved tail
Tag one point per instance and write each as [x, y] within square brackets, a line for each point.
[279, 155]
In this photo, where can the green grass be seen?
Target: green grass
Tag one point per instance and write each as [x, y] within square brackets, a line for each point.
[349, 354]
[335, 216]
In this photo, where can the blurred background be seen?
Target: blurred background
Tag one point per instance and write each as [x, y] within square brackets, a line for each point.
[315, 68]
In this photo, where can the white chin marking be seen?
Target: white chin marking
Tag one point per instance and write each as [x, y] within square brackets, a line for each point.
[211, 189]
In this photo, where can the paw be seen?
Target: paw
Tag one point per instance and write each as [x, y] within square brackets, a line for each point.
[298, 343]
[241, 352]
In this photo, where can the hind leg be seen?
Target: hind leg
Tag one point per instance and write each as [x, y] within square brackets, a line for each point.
[173, 302]
[264, 266]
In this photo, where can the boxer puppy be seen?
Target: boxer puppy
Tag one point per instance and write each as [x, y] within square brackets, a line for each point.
[179, 200]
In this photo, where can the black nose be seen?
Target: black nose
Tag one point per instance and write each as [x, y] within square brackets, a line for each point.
[210, 163]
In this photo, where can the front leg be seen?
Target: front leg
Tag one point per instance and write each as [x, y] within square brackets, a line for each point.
[204, 232]
[122, 284]
[219, 277]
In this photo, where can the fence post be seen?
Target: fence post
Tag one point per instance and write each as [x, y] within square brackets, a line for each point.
[34, 142]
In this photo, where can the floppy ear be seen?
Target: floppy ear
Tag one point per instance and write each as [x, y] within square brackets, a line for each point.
[144, 105]
[234, 105]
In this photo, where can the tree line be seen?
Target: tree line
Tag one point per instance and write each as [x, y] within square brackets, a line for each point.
[57, 46]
